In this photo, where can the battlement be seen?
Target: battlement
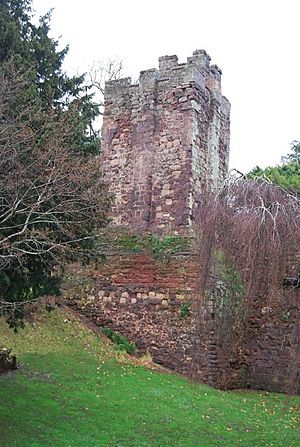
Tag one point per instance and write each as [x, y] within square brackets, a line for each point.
[196, 70]
[165, 138]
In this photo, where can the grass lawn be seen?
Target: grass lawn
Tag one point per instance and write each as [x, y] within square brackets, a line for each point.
[73, 391]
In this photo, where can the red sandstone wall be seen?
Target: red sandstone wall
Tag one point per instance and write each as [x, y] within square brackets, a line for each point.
[163, 140]
[142, 297]
[272, 342]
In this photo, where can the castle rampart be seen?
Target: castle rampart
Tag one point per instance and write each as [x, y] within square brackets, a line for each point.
[164, 140]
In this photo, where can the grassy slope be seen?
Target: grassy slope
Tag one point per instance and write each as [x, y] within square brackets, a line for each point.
[72, 391]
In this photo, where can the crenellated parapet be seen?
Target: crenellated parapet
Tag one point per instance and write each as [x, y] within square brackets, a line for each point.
[165, 138]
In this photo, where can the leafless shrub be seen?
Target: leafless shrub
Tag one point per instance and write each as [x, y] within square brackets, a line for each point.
[255, 225]
[103, 71]
[53, 200]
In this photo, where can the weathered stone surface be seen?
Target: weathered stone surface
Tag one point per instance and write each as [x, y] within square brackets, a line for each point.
[164, 139]
[125, 295]
[147, 311]
[143, 298]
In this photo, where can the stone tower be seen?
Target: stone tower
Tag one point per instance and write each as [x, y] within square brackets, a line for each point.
[164, 140]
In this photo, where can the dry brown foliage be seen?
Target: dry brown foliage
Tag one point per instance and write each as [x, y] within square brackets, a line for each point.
[248, 241]
[53, 200]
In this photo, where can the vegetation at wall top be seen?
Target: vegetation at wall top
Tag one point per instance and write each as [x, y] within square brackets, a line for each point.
[158, 246]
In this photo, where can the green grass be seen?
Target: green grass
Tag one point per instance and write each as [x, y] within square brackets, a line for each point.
[72, 391]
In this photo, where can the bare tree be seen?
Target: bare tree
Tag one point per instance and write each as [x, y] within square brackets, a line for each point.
[248, 241]
[99, 73]
[53, 200]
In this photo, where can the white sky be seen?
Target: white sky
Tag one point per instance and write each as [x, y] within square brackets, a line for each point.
[256, 43]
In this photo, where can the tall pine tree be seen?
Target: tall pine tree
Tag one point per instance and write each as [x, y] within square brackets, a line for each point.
[30, 47]
[53, 202]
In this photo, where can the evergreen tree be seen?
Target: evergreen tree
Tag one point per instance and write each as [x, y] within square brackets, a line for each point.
[53, 202]
[295, 154]
[287, 175]
[31, 47]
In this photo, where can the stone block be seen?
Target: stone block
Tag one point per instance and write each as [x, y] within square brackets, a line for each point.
[183, 99]
[165, 192]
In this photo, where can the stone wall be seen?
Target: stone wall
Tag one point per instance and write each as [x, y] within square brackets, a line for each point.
[257, 332]
[271, 342]
[152, 302]
[164, 139]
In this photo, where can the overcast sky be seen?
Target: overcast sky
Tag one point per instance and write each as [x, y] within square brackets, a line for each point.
[256, 44]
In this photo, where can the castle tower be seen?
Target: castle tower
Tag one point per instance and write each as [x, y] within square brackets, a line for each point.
[164, 140]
